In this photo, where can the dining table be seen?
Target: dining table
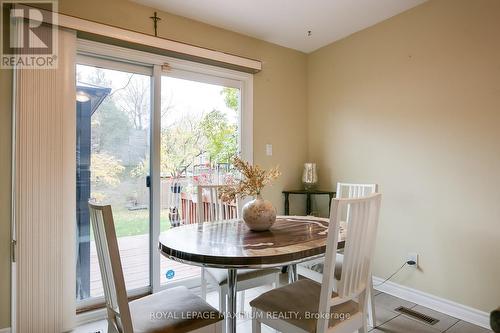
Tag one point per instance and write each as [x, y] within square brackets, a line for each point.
[232, 245]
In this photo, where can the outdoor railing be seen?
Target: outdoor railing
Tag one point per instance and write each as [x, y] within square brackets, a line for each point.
[189, 209]
[180, 198]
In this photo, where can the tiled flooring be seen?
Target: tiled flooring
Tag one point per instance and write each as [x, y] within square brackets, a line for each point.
[388, 321]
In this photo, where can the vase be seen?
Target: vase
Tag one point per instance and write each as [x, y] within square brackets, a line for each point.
[259, 214]
[309, 176]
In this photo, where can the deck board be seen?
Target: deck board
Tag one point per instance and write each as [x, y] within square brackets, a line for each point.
[134, 253]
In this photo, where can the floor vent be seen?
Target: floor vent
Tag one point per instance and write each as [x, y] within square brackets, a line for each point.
[417, 315]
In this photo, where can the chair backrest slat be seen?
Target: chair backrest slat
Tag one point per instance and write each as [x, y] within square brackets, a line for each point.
[211, 208]
[350, 190]
[110, 266]
[358, 252]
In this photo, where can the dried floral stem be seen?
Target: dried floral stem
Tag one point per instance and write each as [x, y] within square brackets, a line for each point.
[254, 179]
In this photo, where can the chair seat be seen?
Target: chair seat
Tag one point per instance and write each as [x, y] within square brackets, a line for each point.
[302, 297]
[319, 264]
[173, 310]
[220, 275]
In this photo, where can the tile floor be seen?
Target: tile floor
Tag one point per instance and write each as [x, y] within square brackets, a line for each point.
[388, 321]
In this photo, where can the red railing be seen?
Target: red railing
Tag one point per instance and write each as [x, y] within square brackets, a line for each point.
[189, 209]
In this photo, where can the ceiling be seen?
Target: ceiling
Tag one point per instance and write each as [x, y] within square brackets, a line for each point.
[287, 22]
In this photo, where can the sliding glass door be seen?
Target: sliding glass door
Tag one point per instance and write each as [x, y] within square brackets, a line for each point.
[147, 135]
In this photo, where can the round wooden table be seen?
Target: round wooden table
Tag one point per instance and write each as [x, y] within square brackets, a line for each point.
[231, 245]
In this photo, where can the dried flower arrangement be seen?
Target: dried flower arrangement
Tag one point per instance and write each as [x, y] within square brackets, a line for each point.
[253, 180]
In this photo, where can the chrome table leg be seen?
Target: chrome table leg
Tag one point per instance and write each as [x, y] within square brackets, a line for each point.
[292, 274]
[231, 303]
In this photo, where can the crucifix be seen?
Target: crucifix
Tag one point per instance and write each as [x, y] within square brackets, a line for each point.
[155, 19]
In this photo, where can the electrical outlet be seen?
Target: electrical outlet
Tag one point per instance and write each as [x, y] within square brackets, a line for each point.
[412, 257]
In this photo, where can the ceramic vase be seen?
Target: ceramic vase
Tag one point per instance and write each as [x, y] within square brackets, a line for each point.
[259, 214]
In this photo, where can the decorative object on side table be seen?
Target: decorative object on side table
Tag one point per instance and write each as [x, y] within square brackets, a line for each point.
[258, 214]
[309, 176]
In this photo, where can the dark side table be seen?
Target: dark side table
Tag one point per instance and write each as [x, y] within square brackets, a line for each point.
[308, 194]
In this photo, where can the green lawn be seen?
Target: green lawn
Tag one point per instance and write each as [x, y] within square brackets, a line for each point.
[135, 222]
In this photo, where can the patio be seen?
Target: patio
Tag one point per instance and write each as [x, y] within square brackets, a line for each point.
[134, 252]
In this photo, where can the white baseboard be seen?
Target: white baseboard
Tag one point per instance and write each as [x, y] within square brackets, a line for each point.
[5, 330]
[442, 305]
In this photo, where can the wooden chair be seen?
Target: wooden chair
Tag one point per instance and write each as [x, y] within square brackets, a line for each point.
[166, 311]
[314, 269]
[211, 208]
[320, 308]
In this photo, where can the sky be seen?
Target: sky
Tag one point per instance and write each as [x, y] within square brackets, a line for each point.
[184, 96]
[193, 97]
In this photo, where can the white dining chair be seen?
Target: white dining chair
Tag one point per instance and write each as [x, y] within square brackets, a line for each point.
[210, 208]
[167, 311]
[314, 269]
[319, 307]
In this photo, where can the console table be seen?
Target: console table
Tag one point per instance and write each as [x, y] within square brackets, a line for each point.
[308, 194]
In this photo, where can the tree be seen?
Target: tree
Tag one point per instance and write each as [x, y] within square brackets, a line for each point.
[134, 100]
[110, 126]
[221, 137]
[187, 138]
[181, 144]
[109, 123]
[105, 169]
[231, 97]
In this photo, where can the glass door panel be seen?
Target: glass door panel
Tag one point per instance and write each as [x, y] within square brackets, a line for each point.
[113, 154]
[199, 136]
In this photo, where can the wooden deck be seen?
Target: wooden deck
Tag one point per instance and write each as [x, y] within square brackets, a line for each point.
[134, 252]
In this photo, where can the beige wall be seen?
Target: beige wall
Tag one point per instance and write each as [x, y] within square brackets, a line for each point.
[413, 104]
[279, 99]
